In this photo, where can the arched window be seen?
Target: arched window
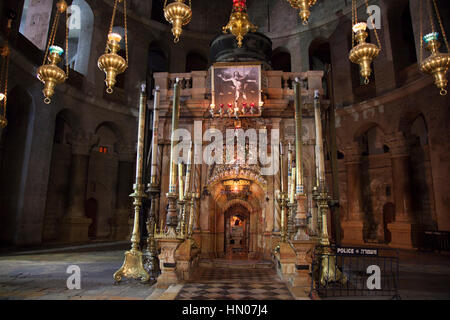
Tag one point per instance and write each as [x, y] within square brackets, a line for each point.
[281, 60]
[196, 62]
[81, 26]
[372, 141]
[320, 58]
[319, 55]
[419, 131]
[34, 24]
[157, 62]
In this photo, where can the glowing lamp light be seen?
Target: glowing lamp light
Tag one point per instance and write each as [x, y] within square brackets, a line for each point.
[2, 96]
[361, 26]
[56, 49]
[114, 37]
[431, 36]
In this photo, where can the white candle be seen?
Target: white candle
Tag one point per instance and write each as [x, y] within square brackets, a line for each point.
[154, 167]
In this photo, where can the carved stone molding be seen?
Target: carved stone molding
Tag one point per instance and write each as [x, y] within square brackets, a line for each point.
[352, 153]
[398, 144]
[82, 142]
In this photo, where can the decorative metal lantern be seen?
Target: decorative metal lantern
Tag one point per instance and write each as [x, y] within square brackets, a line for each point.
[239, 24]
[178, 14]
[111, 63]
[305, 8]
[49, 73]
[438, 63]
[363, 53]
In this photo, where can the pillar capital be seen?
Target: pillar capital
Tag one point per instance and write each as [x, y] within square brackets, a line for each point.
[82, 142]
[398, 144]
[352, 153]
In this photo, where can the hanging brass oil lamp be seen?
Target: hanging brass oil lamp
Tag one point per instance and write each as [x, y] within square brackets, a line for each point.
[49, 73]
[111, 63]
[178, 14]
[363, 53]
[305, 8]
[239, 24]
[438, 63]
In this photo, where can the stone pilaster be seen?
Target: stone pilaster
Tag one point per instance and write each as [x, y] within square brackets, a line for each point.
[401, 228]
[123, 221]
[75, 225]
[353, 224]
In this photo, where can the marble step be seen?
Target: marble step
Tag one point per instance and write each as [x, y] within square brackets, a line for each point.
[236, 264]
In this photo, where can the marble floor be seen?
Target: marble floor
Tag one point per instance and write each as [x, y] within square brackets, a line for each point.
[43, 275]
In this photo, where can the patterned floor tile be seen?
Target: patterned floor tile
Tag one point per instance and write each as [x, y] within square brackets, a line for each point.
[234, 284]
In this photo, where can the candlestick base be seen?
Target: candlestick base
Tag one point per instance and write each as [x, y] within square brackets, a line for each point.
[132, 267]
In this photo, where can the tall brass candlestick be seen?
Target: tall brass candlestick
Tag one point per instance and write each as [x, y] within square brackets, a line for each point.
[154, 167]
[171, 217]
[300, 216]
[298, 137]
[133, 266]
[188, 171]
[319, 140]
[289, 168]
[282, 197]
[150, 259]
[180, 182]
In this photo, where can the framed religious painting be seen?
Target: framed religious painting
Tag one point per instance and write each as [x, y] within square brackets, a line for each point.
[236, 89]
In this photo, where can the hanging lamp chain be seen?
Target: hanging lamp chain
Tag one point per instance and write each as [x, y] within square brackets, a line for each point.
[51, 39]
[67, 42]
[372, 21]
[126, 28]
[111, 25]
[421, 31]
[444, 36]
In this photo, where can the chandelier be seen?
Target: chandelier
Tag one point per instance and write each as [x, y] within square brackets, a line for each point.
[363, 53]
[236, 189]
[305, 8]
[239, 24]
[49, 73]
[178, 14]
[111, 63]
[4, 54]
[438, 63]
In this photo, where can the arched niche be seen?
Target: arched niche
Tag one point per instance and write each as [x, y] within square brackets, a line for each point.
[196, 62]
[59, 177]
[281, 60]
[103, 176]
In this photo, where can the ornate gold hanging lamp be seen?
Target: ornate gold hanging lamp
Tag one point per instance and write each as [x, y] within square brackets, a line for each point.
[438, 63]
[111, 63]
[363, 53]
[4, 55]
[178, 14]
[239, 24]
[305, 8]
[49, 73]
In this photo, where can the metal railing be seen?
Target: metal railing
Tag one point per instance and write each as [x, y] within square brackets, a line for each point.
[355, 272]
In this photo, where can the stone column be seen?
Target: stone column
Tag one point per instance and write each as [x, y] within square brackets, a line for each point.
[401, 228]
[123, 222]
[75, 224]
[353, 224]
